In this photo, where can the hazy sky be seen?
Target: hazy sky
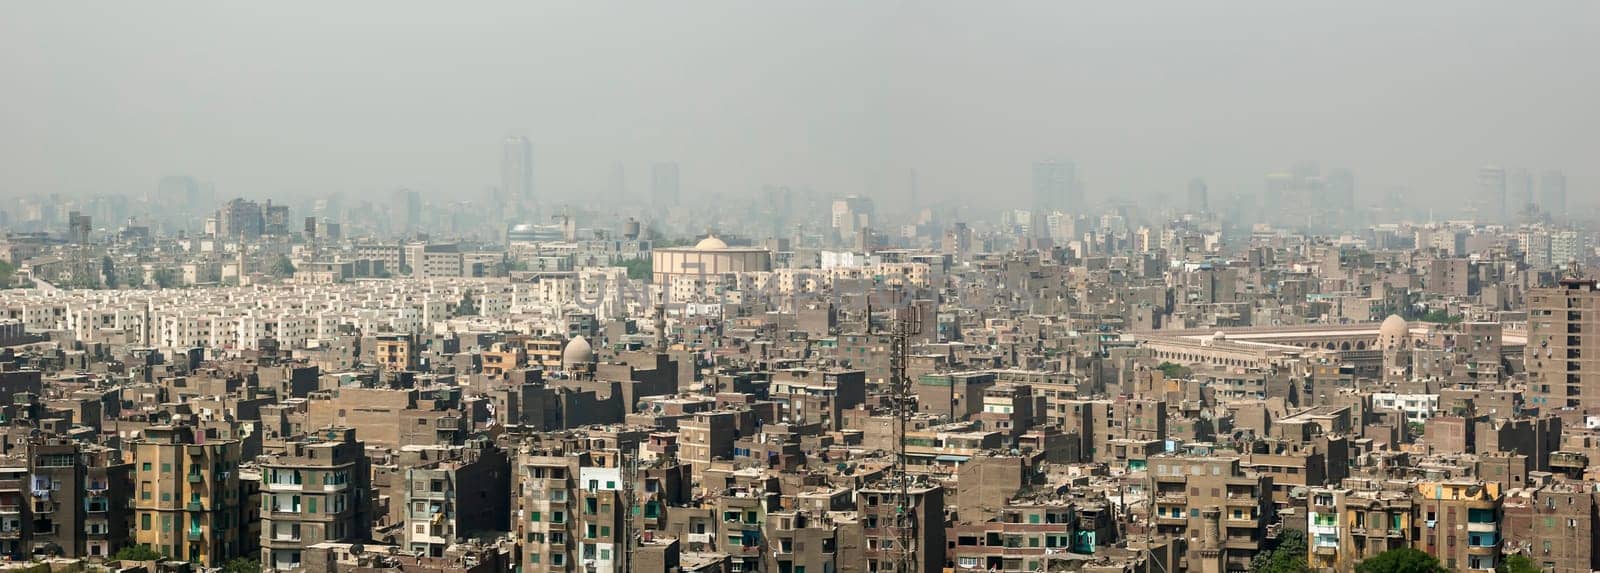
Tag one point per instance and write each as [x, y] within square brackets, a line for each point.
[310, 97]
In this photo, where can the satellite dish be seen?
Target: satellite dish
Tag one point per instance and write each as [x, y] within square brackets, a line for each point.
[356, 549]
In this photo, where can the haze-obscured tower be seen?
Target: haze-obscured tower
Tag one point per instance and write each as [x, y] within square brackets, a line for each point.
[1519, 190]
[516, 168]
[1055, 186]
[1553, 192]
[1199, 201]
[1341, 189]
[664, 184]
[1492, 192]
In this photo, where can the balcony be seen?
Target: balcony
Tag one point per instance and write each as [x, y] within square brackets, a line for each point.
[10, 534]
[196, 506]
[195, 535]
[196, 478]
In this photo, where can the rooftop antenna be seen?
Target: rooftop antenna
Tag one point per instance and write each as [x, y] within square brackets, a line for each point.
[906, 323]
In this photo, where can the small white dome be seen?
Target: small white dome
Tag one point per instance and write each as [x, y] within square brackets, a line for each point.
[1220, 335]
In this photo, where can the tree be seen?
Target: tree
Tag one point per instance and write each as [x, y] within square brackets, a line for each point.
[467, 306]
[1518, 563]
[138, 553]
[282, 267]
[241, 565]
[1440, 316]
[1288, 555]
[166, 278]
[638, 269]
[1171, 370]
[108, 269]
[1402, 560]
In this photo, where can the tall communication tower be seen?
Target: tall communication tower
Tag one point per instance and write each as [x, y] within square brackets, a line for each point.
[630, 473]
[906, 324]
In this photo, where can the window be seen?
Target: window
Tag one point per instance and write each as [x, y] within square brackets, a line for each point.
[533, 516]
[144, 522]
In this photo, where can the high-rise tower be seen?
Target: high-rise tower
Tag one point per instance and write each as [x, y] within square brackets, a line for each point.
[664, 184]
[1553, 192]
[1492, 193]
[516, 168]
[1055, 187]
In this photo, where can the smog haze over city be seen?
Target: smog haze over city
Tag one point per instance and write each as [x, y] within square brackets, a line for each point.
[843, 97]
[778, 287]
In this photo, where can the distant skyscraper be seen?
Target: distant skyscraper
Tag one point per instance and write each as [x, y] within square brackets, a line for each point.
[1553, 192]
[1492, 193]
[177, 191]
[516, 168]
[618, 187]
[1055, 187]
[405, 212]
[1519, 190]
[664, 184]
[1341, 189]
[1199, 200]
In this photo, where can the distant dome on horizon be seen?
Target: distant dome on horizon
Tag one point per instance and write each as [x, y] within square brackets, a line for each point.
[710, 243]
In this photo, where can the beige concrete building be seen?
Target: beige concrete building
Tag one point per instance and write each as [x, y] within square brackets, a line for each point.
[1563, 353]
[709, 258]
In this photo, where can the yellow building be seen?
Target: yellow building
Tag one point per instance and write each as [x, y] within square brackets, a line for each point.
[187, 499]
[1346, 526]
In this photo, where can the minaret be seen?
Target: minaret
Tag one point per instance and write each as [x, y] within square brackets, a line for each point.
[661, 323]
[1210, 554]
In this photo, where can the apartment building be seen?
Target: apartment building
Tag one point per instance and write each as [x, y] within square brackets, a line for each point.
[917, 536]
[1563, 350]
[80, 499]
[1553, 524]
[453, 492]
[1460, 523]
[1181, 486]
[1346, 526]
[545, 494]
[198, 517]
[317, 490]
